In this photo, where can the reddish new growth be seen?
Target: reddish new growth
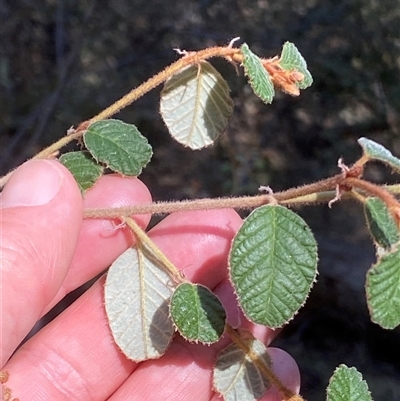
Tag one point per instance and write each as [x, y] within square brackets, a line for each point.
[285, 80]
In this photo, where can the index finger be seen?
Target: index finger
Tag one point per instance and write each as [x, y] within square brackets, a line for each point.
[75, 354]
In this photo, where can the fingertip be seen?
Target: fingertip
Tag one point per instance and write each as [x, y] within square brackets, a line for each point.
[113, 190]
[286, 369]
[41, 220]
[41, 216]
[198, 242]
[37, 183]
[101, 241]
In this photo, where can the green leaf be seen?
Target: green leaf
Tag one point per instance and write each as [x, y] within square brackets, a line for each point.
[273, 264]
[83, 167]
[137, 293]
[378, 152]
[236, 377]
[119, 145]
[196, 105]
[347, 384]
[383, 290]
[292, 60]
[259, 78]
[197, 313]
[381, 224]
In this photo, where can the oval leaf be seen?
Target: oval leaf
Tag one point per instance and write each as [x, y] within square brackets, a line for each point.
[236, 377]
[83, 167]
[376, 151]
[137, 294]
[347, 384]
[197, 313]
[259, 78]
[119, 145]
[292, 60]
[273, 263]
[195, 105]
[381, 224]
[383, 290]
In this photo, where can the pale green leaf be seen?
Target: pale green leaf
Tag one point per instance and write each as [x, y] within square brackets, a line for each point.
[381, 224]
[383, 289]
[196, 105]
[118, 145]
[376, 151]
[347, 384]
[273, 264]
[292, 60]
[259, 78]
[236, 377]
[83, 167]
[137, 294]
[197, 313]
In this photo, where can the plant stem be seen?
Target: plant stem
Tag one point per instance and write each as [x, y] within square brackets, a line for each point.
[265, 370]
[375, 190]
[305, 194]
[176, 275]
[190, 58]
[144, 239]
[47, 152]
[321, 191]
[56, 146]
[246, 202]
[394, 189]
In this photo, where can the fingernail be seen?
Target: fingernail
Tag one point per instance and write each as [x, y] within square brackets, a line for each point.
[34, 183]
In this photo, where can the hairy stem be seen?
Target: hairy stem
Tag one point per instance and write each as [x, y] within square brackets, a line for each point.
[375, 190]
[46, 153]
[189, 59]
[265, 370]
[179, 206]
[144, 239]
[321, 191]
[235, 337]
[304, 194]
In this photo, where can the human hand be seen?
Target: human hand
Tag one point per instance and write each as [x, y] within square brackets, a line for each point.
[48, 250]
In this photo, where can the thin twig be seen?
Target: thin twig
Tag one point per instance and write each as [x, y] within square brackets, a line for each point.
[241, 202]
[265, 370]
[144, 239]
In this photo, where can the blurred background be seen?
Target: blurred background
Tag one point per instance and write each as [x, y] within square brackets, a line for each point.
[64, 61]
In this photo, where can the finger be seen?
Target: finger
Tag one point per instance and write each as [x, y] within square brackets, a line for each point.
[76, 354]
[101, 241]
[74, 357]
[197, 232]
[284, 366]
[236, 317]
[286, 369]
[183, 373]
[186, 368]
[41, 219]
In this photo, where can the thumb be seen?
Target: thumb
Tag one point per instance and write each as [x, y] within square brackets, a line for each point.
[41, 216]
